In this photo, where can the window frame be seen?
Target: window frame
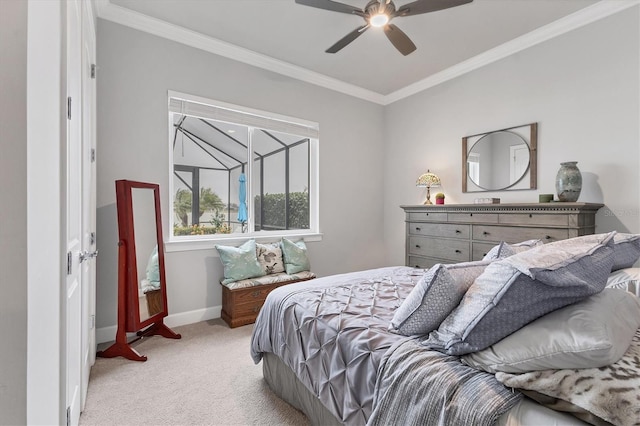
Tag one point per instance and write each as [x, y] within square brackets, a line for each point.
[278, 122]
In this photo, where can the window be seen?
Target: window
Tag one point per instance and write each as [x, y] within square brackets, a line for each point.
[238, 172]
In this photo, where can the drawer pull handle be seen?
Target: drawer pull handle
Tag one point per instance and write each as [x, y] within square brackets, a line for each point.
[530, 215]
[470, 214]
[458, 231]
[427, 214]
[255, 294]
[417, 229]
[458, 251]
[484, 254]
[417, 245]
[485, 233]
[417, 266]
[548, 237]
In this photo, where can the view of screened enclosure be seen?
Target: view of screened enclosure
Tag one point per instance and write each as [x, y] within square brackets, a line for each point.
[216, 190]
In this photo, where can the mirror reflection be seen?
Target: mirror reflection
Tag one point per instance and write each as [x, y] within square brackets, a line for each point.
[146, 242]
[500, 160]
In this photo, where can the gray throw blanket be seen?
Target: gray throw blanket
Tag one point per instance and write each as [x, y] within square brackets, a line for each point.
[422, 387]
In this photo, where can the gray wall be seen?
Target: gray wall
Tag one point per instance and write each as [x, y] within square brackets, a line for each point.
[13, 212]
[136, 69]
[583, 90]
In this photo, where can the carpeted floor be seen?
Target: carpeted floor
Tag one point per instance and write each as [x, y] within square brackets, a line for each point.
[205, 378]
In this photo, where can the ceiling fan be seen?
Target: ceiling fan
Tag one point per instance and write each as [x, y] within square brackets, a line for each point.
[379, 13]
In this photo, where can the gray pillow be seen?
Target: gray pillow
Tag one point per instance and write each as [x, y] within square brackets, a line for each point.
[504, 249]
[512, 292]
[436, 294]
[588, 334]
[626, 250]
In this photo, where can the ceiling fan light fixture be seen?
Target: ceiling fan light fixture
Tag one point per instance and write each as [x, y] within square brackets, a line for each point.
[379, 20]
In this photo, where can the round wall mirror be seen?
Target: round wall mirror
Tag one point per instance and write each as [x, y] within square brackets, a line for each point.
[500, 160]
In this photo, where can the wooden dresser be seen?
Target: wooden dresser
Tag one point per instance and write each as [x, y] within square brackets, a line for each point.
[463, 232]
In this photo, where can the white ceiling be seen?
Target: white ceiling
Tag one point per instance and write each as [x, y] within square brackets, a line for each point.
[286, 37]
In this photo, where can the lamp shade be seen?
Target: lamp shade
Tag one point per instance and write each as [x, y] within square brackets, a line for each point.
[428, 180]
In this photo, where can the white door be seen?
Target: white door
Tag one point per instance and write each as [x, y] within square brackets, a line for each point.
[88, 265]
[519, 155]
[73, 213]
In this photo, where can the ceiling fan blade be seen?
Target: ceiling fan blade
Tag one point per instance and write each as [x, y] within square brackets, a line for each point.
[399, 39]
[347, 39]
[425, 6]
[333, 6]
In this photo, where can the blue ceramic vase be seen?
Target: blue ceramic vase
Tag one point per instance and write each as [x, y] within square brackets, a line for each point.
[569, 182]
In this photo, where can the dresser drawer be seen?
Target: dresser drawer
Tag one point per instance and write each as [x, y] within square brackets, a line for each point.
[480, 250]
[454, 250]
[427, 216]
[473, 217]
[517, 234]
[534, 219]
[440, 230]
[422, 262]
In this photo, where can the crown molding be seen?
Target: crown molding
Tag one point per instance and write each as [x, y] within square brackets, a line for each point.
[148, 24]
[571, 22]
[114, 13]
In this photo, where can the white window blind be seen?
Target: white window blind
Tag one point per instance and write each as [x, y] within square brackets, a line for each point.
[238, 115]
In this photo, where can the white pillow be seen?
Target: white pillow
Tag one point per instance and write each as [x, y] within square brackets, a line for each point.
[588, 334]
[626, 279]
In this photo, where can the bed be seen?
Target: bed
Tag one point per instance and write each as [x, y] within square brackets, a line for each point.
[328, 347]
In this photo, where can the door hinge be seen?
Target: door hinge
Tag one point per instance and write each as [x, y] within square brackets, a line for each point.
[93, 155]
[92, 322]
[69, 263]
[93, 70]
[68, 416]
[68, 107]
[92, 238]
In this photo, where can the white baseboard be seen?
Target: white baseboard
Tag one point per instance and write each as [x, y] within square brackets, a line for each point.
[108, 334]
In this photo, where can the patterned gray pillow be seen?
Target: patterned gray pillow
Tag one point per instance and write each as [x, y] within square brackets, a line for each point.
[436, 294]
[503, 249]
[626, 250]
[514, 291]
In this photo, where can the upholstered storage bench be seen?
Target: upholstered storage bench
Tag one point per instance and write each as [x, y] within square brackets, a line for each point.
[242, 300]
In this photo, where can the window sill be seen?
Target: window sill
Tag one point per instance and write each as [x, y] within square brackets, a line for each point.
[193, 244]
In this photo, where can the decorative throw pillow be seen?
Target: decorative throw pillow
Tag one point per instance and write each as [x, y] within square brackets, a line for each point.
[626, 250]
[270, 258]
[295, 256]
[434, 297]
[588, 334]
[239, 262]
[503, 249]
[153, 268]
[514, 291]
[609, 392]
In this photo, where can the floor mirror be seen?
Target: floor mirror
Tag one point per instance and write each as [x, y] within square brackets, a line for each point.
[142, 284]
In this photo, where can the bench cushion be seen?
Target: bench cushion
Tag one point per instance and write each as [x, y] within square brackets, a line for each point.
[269, 279]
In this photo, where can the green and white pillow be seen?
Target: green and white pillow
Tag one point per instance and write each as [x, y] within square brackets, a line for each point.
[295, 256]
[239, 262]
